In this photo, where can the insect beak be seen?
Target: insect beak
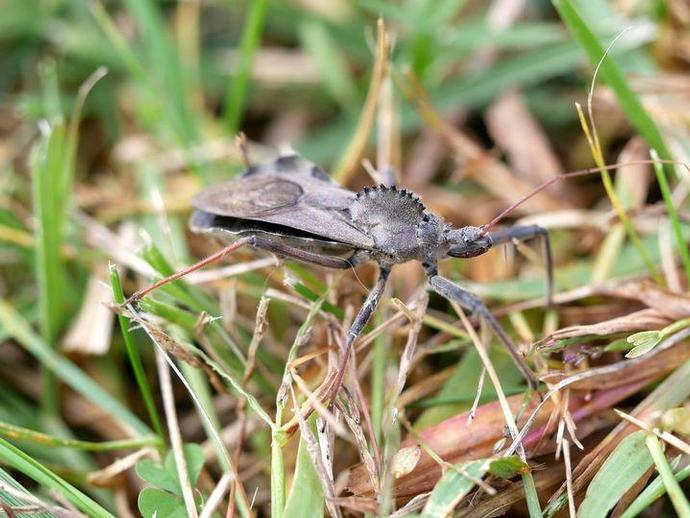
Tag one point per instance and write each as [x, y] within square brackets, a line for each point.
[467, 243]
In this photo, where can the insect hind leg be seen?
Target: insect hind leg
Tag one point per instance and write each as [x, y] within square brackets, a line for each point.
[277, 247]
[196, 266]
[257, 241]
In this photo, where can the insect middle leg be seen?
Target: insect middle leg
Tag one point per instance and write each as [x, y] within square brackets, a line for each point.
[529, 232]
[471, 302]
[356, 328]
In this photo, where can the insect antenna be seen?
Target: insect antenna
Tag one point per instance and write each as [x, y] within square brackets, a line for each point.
[575, 174]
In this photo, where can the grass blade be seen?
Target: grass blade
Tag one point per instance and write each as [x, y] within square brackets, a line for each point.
[675, 493]
[20, 461]
[624, 467]
[47, 171]
[331, 62]
[613, 76]
[672, 213]
[134, 356]
[235, 99]
[19, 433]
[453, 486]
[163, 54]
[629, 102]
[306, 493]
[278, 499]
[652, 492]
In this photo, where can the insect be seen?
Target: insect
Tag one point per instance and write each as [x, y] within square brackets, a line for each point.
[292, 208]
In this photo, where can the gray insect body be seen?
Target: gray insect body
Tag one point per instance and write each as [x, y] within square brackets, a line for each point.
[292, 208]
[293, 200]
[399, 224]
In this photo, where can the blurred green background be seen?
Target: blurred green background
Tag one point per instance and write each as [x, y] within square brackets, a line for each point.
[113, 112]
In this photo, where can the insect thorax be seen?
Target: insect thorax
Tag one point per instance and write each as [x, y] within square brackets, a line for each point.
[399, 224]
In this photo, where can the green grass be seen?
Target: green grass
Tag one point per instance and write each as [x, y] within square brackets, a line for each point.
[98, 169]
[67, 371]
[626, 464]
[678, 498]
[16, 459]
[134, 355]
[235, 99]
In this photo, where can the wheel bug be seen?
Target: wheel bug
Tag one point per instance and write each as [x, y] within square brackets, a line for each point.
[292, 208]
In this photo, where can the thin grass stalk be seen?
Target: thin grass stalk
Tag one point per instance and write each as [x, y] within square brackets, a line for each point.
[278, 484]
[613, 197]
[118, 42]
[353, 154]
[655, 490]
[251, 35]
[162, 52]
[378, 376]
[529, 487]
[237, 489]
[135, 357]
[216, 496]
[675, 493]
[175, 433]
[187, 31]
[17, 459]
[50, 269]
[231, 353]
[159, 339]
[672, 213]
[614, 77]
[19, 433]
[387, 136]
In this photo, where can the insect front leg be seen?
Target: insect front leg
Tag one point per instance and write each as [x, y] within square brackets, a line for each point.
[529, 232]
[451, 291]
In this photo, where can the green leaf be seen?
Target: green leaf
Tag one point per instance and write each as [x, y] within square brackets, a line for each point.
[644, 341]
[194, 457]
[508, 467]
[453, 486]
[165, 476]
[157, 476]
[161, 504]
[624, 467]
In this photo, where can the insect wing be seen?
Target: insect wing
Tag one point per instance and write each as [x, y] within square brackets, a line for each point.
[297, 201]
